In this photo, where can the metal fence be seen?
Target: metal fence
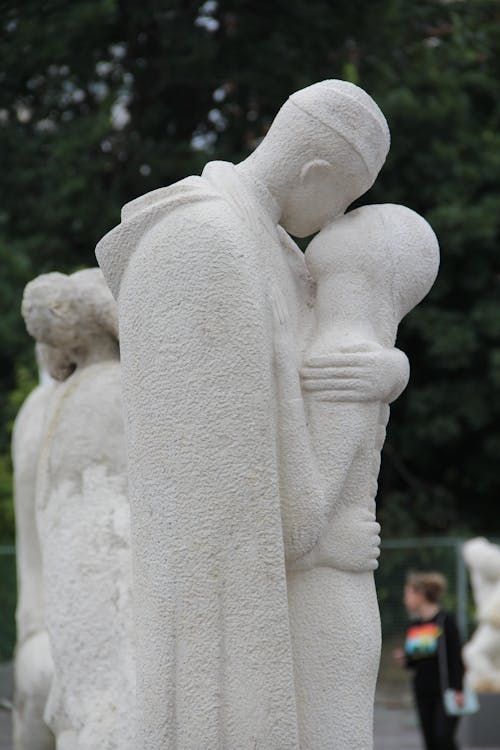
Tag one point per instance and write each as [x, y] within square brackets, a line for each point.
[397, 558]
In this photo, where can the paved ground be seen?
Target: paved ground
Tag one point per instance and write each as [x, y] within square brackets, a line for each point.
[5, 739]
[5, 702]
[396, 725]
[395, 729]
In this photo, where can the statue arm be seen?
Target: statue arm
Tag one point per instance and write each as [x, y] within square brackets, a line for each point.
[301, 485]
[310, 497]
[363, 372]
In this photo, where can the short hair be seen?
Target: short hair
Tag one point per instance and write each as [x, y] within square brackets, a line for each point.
[431, 584]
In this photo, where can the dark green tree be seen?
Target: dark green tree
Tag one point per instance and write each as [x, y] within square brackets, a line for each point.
[102, 100]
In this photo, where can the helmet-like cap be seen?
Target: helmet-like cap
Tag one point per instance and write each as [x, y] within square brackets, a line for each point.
[352, 114]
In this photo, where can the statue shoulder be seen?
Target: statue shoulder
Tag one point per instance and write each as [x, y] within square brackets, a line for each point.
[97, 386]
[196, 243]
[77, 441]
[140, 217]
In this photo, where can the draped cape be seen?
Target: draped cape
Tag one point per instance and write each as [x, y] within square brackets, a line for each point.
[190, 267]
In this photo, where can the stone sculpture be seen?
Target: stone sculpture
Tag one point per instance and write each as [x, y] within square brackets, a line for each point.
[482, 652]
[371, 266]
[83, 517]
[33, 662]
[234, 482]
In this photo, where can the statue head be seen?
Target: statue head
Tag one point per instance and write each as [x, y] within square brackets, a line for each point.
[69, 313]
[324, 149]
[483, 556]
[390, 244]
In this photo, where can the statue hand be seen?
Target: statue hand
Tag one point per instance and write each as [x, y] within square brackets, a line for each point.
[365, 372]
[355, 541]
[350, 542]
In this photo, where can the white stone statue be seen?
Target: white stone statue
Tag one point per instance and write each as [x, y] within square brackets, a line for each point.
[482, 652]
[83, 517]
[371, 266]
[232, 496]
[33, 662]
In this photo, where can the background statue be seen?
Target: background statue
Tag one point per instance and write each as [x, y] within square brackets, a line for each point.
[482, 652]
[33, 662]
[83, 516]
[229, 497]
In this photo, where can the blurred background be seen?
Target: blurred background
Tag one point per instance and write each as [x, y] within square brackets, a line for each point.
[103, 100]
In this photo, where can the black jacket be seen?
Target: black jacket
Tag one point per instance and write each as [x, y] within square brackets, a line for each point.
[422, 644]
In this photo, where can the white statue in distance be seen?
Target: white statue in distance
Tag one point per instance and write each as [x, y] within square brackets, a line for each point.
[83, 517]
[482, 652]
[251, 508]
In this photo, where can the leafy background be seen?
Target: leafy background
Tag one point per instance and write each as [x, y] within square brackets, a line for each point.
[103, 100]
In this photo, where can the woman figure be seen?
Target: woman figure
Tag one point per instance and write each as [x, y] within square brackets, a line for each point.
[83, 515]
[430, 631]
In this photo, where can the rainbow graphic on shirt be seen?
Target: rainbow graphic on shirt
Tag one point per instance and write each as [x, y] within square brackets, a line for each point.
[421, 640]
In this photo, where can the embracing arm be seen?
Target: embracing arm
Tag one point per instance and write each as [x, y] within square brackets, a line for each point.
[303, 507]
[361, 373]
[311, 491]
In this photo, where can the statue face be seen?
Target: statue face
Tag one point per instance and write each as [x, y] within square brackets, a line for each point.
[323, 192]
[55, 362]
[51, 310]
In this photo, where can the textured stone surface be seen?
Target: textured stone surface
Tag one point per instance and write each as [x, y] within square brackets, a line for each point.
[482, 652]
[33, 661]
[83, 516]
[249, 634]
[371, 267]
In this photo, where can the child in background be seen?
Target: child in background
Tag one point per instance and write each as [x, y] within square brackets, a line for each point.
[428, 624]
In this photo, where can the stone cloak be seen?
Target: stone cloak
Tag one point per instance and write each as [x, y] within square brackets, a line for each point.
[191, 268]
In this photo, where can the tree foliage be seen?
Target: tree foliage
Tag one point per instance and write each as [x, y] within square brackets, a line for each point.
[102, 100]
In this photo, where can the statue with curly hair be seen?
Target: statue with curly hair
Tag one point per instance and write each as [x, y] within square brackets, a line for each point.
[83, 515]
